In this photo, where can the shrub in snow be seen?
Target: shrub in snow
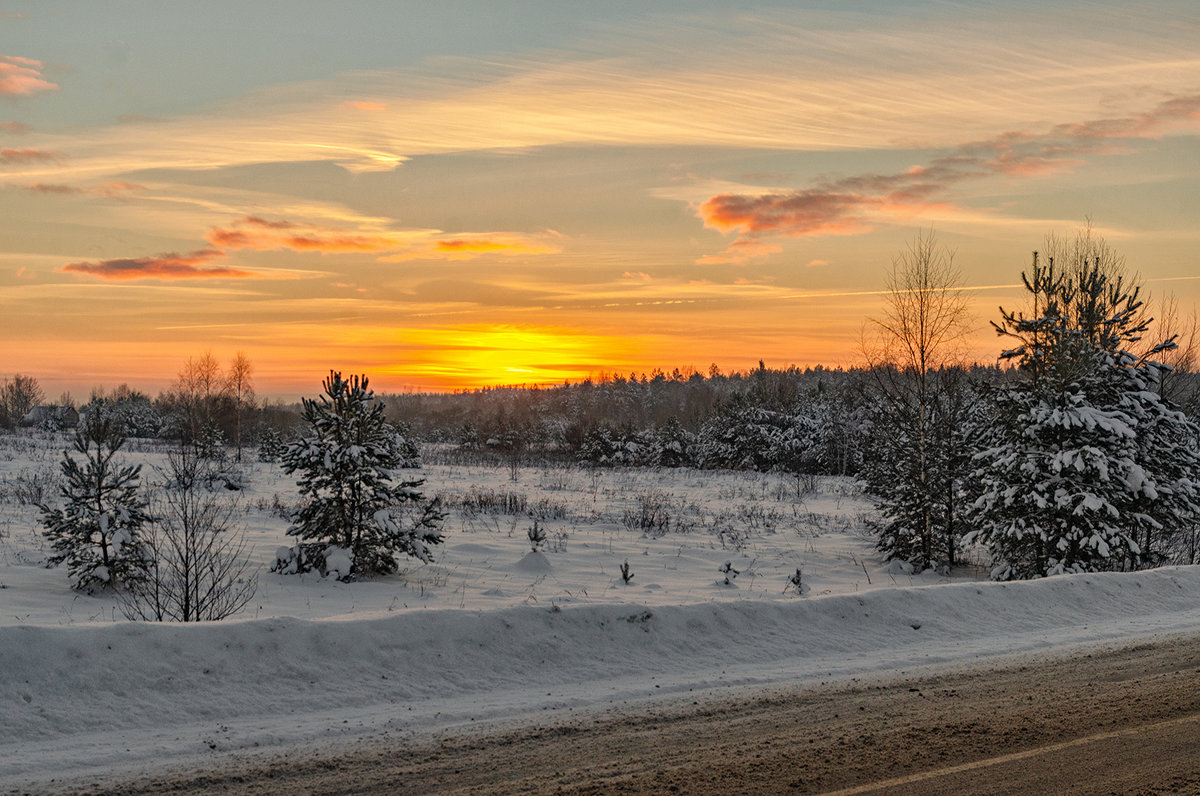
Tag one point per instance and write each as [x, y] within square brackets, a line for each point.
[96, 531]
[796, 583]
[650, 514]
[197, 566]
[1088, 469]
[729, 572]
[350, 501]
[537, 536]
[626, 573]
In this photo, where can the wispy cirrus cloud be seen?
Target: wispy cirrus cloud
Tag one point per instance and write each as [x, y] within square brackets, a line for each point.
[856, 204]
[834, 84]
[193, 265]
[22, 77]
[108, 189]
[260, 234]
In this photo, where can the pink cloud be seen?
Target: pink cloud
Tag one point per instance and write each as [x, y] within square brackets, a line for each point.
[16, 128]
[24, 155]
[798, 214]
[102, 189]
[41, 187]
[854, 204]
[22, 77]
[740, 251]
[117, 188]
[194, 265]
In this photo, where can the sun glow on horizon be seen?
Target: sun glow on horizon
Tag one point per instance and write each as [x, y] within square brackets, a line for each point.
[553, 192]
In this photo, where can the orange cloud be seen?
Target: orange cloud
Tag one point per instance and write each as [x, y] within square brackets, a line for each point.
[22, 77]
[254, 232]
[365, 105]
[16, 128]
[164, 266]
[259, 234]
[468, 247]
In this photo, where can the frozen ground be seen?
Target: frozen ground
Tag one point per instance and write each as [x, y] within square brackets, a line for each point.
[490, 633]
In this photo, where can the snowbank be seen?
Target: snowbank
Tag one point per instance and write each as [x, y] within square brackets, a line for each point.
[73, 696]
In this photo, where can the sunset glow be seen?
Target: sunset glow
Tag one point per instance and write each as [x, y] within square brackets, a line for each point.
[543, 192]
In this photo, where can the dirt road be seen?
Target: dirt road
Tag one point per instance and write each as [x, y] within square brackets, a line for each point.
[1117, 720]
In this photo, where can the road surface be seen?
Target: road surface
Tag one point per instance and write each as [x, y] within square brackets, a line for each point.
[1106, 720]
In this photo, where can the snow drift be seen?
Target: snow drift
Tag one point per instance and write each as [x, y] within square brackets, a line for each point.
[101, 687]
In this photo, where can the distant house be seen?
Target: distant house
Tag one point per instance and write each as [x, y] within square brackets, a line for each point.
[50, 417]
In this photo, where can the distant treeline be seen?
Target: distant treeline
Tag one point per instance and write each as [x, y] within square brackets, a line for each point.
[798, 420]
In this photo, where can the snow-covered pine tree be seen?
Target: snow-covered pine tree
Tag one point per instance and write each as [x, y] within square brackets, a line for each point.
[1085, 458]
[351, 506]
[96, 531]
[675, 443]
[740, 436]
[798, 446]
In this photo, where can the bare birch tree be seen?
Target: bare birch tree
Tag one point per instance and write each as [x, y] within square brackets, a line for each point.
[917, 337]
[241, 390]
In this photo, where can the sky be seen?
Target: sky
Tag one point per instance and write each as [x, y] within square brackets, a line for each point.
[453, 195]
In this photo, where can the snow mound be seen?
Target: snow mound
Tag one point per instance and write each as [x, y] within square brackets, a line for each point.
[289, 680]
[534, 562]
[897, 567]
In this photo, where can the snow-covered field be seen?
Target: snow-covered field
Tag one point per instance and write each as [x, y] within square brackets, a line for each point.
[492, 631]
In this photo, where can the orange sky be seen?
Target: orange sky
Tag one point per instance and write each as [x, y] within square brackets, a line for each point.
[444, 200]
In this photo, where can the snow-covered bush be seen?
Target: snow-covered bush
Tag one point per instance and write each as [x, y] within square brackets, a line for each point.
[605, 447]
[132, 413]
[350, 501]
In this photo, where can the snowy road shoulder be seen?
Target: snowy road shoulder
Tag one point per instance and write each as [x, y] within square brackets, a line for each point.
[78, 699]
